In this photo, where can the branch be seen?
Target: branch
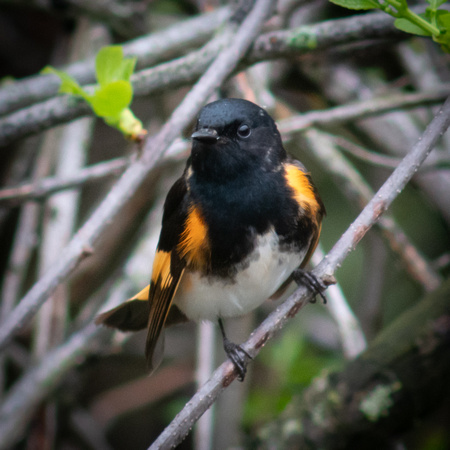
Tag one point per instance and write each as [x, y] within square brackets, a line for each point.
[82, 243]
[399, 378]
[360, 192]
[363, 109]
[225, 374]
[188, 69]
[49, 185]
[44, 187]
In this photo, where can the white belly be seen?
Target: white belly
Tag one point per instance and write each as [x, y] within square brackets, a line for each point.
[208, 298]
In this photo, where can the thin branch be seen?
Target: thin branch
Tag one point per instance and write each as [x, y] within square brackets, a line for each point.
[206, 346]
[82, 243]
[361, 193]
[47, 186]
[225, 374]
[188, 69]
[366, 108]
[352, 336]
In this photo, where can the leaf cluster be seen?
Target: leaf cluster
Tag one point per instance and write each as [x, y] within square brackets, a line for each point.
[112, 95]
[434, 22]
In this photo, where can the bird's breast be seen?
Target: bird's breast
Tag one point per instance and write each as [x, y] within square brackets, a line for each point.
[256, 278]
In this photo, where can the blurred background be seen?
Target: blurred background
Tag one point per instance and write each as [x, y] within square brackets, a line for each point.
[96, 393]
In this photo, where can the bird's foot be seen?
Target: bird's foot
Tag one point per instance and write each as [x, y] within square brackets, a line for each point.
[238, 356]
[313, 283]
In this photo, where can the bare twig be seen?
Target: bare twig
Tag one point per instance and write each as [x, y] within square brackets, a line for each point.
[188, 69]
[395, 133]
[206, 345]
[365, 108]
[82, 243]
[352, 336]
[225, 374]
[47, 186]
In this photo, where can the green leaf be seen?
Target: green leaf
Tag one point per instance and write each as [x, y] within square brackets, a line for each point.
[110, 65]
[110, 100]
[443, 19]
[107, 64]
[127, 68]
[434, 4]
[409, 27]
[357, 4]
[68, 84]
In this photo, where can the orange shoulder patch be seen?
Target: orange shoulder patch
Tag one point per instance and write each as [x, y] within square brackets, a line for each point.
[194, 242]
[302, 187]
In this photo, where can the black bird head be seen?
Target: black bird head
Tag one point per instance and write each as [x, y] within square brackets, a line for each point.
[233, 136]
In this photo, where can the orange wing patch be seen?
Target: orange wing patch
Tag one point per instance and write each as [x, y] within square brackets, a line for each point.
[161, 268]
[163, 288]
[304, 191]
[194, 244]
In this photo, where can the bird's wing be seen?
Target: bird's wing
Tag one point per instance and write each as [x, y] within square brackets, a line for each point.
[168, 269]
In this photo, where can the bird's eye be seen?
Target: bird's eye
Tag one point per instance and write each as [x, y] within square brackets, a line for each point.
[244, 131]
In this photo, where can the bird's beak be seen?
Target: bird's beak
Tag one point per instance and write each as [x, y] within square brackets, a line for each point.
[206, 135]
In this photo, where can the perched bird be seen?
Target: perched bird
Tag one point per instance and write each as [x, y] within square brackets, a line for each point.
[237, 229]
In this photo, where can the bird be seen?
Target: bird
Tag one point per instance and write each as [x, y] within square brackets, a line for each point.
[238, 228]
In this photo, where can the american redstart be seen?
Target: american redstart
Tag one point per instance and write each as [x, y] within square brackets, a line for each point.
[237, 229]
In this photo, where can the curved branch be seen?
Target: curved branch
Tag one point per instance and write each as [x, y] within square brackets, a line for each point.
[225, 374]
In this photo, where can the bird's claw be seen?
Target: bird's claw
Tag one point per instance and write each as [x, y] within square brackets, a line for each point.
[313, 283]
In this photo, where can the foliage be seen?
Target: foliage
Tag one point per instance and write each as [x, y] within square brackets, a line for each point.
[113, 94]
[434, 22]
